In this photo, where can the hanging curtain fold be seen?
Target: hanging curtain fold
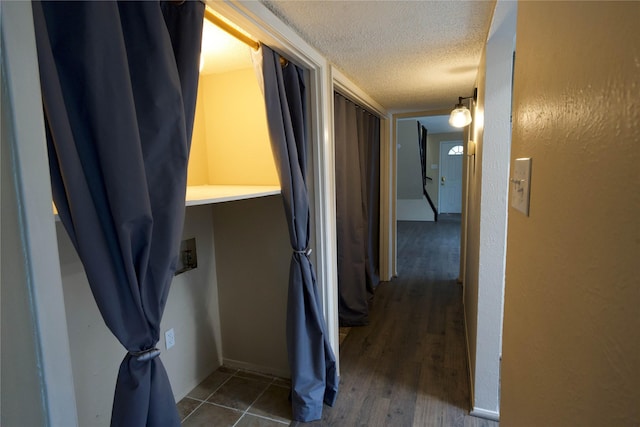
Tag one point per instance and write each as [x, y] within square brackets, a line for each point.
[119, 83]
[369, 141]
[357, 148]
[314, 378]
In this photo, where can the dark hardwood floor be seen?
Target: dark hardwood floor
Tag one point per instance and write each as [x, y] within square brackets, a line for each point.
[408, 366]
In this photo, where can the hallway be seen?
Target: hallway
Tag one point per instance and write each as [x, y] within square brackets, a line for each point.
[408, 366]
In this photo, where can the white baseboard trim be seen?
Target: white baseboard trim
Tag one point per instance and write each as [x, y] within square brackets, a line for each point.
[266, 370]
[484, 413]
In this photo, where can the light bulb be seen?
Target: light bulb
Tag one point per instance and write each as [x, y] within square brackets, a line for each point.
[460, 116]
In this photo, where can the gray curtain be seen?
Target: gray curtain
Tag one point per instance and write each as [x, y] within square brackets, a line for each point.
[119, 83]
[314, 377]
[357, 147]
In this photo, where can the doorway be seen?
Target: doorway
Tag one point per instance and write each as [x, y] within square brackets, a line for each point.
[450, 194]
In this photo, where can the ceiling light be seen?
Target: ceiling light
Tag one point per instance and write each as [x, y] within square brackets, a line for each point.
[461, 116]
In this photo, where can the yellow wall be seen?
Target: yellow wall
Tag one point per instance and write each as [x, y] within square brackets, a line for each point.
[230, 139]
[198, 171]
[571, 345]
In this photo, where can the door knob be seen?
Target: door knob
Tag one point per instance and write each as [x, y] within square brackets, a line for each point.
[442, 180]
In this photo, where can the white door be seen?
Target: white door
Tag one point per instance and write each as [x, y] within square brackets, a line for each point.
[450, 194]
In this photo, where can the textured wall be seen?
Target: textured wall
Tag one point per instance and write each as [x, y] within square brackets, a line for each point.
[488, 187]
[571, 348]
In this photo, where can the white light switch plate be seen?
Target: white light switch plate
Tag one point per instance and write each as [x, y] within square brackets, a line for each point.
[521, 185]
[169, 338]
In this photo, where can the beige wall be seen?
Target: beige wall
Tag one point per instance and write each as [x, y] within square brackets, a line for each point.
[252, 257]
[191, 310]
[571, 349]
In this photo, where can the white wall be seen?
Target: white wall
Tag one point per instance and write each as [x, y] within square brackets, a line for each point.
[191, 310]
[571, 325]
[20, 385]
[37, 386]
[486, 239]
[411, 203]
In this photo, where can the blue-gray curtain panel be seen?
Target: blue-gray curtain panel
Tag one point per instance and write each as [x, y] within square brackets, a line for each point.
[357, 148]
[119, 83]
[314, 378]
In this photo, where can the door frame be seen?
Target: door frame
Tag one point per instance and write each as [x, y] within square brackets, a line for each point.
[388, 192]
[39, 245]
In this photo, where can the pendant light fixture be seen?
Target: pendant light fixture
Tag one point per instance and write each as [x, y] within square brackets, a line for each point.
[461, 116]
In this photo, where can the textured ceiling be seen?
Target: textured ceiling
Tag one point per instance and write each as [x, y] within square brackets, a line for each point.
[407, 55]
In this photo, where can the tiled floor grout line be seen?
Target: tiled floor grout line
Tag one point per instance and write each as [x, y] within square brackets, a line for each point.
[205, 400]
[269, 381]
[264, 417]
[254, 401]
[191, 413]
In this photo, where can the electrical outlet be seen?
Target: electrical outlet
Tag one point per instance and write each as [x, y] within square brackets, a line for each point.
[169, 338]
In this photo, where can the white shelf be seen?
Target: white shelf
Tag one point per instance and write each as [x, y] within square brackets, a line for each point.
[208, 194]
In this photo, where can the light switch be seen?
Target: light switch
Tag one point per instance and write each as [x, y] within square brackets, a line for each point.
[521, 185]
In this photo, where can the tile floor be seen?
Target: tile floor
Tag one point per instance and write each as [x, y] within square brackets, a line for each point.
[236, 398]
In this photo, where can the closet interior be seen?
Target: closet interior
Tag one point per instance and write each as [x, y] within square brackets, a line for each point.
[230, 309]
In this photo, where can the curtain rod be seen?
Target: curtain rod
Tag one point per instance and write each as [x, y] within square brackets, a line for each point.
[223, 25]
[234, 32]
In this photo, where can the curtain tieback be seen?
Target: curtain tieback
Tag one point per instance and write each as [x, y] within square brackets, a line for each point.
[145, 355]
[305, 252]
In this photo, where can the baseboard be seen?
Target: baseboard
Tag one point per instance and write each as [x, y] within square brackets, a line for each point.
[483, 413]
[466, 338]
[266, 370]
